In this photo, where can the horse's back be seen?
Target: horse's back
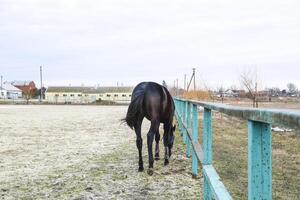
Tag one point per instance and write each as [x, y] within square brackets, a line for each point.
[157, 101]
[148, 89]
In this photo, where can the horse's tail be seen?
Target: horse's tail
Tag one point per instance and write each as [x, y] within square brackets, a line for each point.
[134, 108]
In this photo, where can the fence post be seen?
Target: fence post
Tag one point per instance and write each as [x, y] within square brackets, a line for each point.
[207, 149]
[176, 109]
[183, 111]
[180, 116]
[259, 160]
[184, 121]
[175, 102]
[188, 123]
[195, 139]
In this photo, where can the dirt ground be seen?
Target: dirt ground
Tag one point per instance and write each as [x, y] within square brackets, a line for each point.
[83, 152]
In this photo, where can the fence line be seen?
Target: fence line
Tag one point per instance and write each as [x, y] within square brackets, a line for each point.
[259, 144]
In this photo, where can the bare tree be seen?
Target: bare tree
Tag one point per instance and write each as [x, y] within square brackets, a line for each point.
[221, 91]
[209, 91]
[249, 81]
[273, 92]
[292, 88]
[29, 93]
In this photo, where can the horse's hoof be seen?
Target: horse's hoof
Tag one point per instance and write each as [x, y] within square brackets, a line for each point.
[156, 158]
[150, 171]
[141, 169]
[166, 162]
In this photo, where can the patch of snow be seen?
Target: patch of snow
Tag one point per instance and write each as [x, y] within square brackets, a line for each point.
[277, 129]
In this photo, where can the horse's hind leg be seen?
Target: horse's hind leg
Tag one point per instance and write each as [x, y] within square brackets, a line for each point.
[165, 139]
[157, 138]
[139, 142]
[150, 137]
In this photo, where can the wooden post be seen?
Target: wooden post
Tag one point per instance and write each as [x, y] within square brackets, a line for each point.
[259, 160]
[185, 122]
[188, 123]
[182, 117]
[207, 149]
[194, 139]
[176, 108]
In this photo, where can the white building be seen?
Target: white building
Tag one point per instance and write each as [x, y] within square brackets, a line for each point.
[10, 92]
[85, 95]
[3, 93]
[231, 93]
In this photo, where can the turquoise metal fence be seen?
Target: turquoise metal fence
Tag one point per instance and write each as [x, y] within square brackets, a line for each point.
[259, 144]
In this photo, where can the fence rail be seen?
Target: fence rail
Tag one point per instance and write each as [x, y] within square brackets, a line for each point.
[259, 144]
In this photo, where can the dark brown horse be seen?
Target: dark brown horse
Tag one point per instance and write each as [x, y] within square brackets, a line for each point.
[154, 102]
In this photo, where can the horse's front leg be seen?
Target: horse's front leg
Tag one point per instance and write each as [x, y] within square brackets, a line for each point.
[157, 138]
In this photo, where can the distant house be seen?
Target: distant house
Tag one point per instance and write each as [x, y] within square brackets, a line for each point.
[84, 95]
[3, 93]
[231, 93]
[25, 86]
[293, 94]
[10, 91]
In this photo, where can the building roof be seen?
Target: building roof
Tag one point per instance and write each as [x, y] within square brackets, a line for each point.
[21, 83]
[114, 89]
[9, 87]
[69, 89]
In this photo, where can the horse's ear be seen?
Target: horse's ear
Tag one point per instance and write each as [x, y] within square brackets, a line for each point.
[174, 127]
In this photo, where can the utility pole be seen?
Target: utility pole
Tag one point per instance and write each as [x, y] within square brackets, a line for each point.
[174, 87]
[184, 82]
[192, 77]
[194, 70]
[256, 94]
[41, 77]
[1, 85]
[177, 86]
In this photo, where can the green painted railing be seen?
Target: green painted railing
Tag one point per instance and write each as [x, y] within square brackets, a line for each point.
[259, 144]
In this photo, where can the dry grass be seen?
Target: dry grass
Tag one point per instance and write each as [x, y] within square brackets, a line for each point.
[197, 95]
[230, 158]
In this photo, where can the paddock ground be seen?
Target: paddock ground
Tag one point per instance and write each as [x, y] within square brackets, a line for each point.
[82, 152]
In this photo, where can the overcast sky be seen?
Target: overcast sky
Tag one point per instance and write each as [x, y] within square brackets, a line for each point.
[105, 42]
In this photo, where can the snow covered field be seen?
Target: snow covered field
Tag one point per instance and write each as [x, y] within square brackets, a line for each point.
[35, 139]
[79, 152]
